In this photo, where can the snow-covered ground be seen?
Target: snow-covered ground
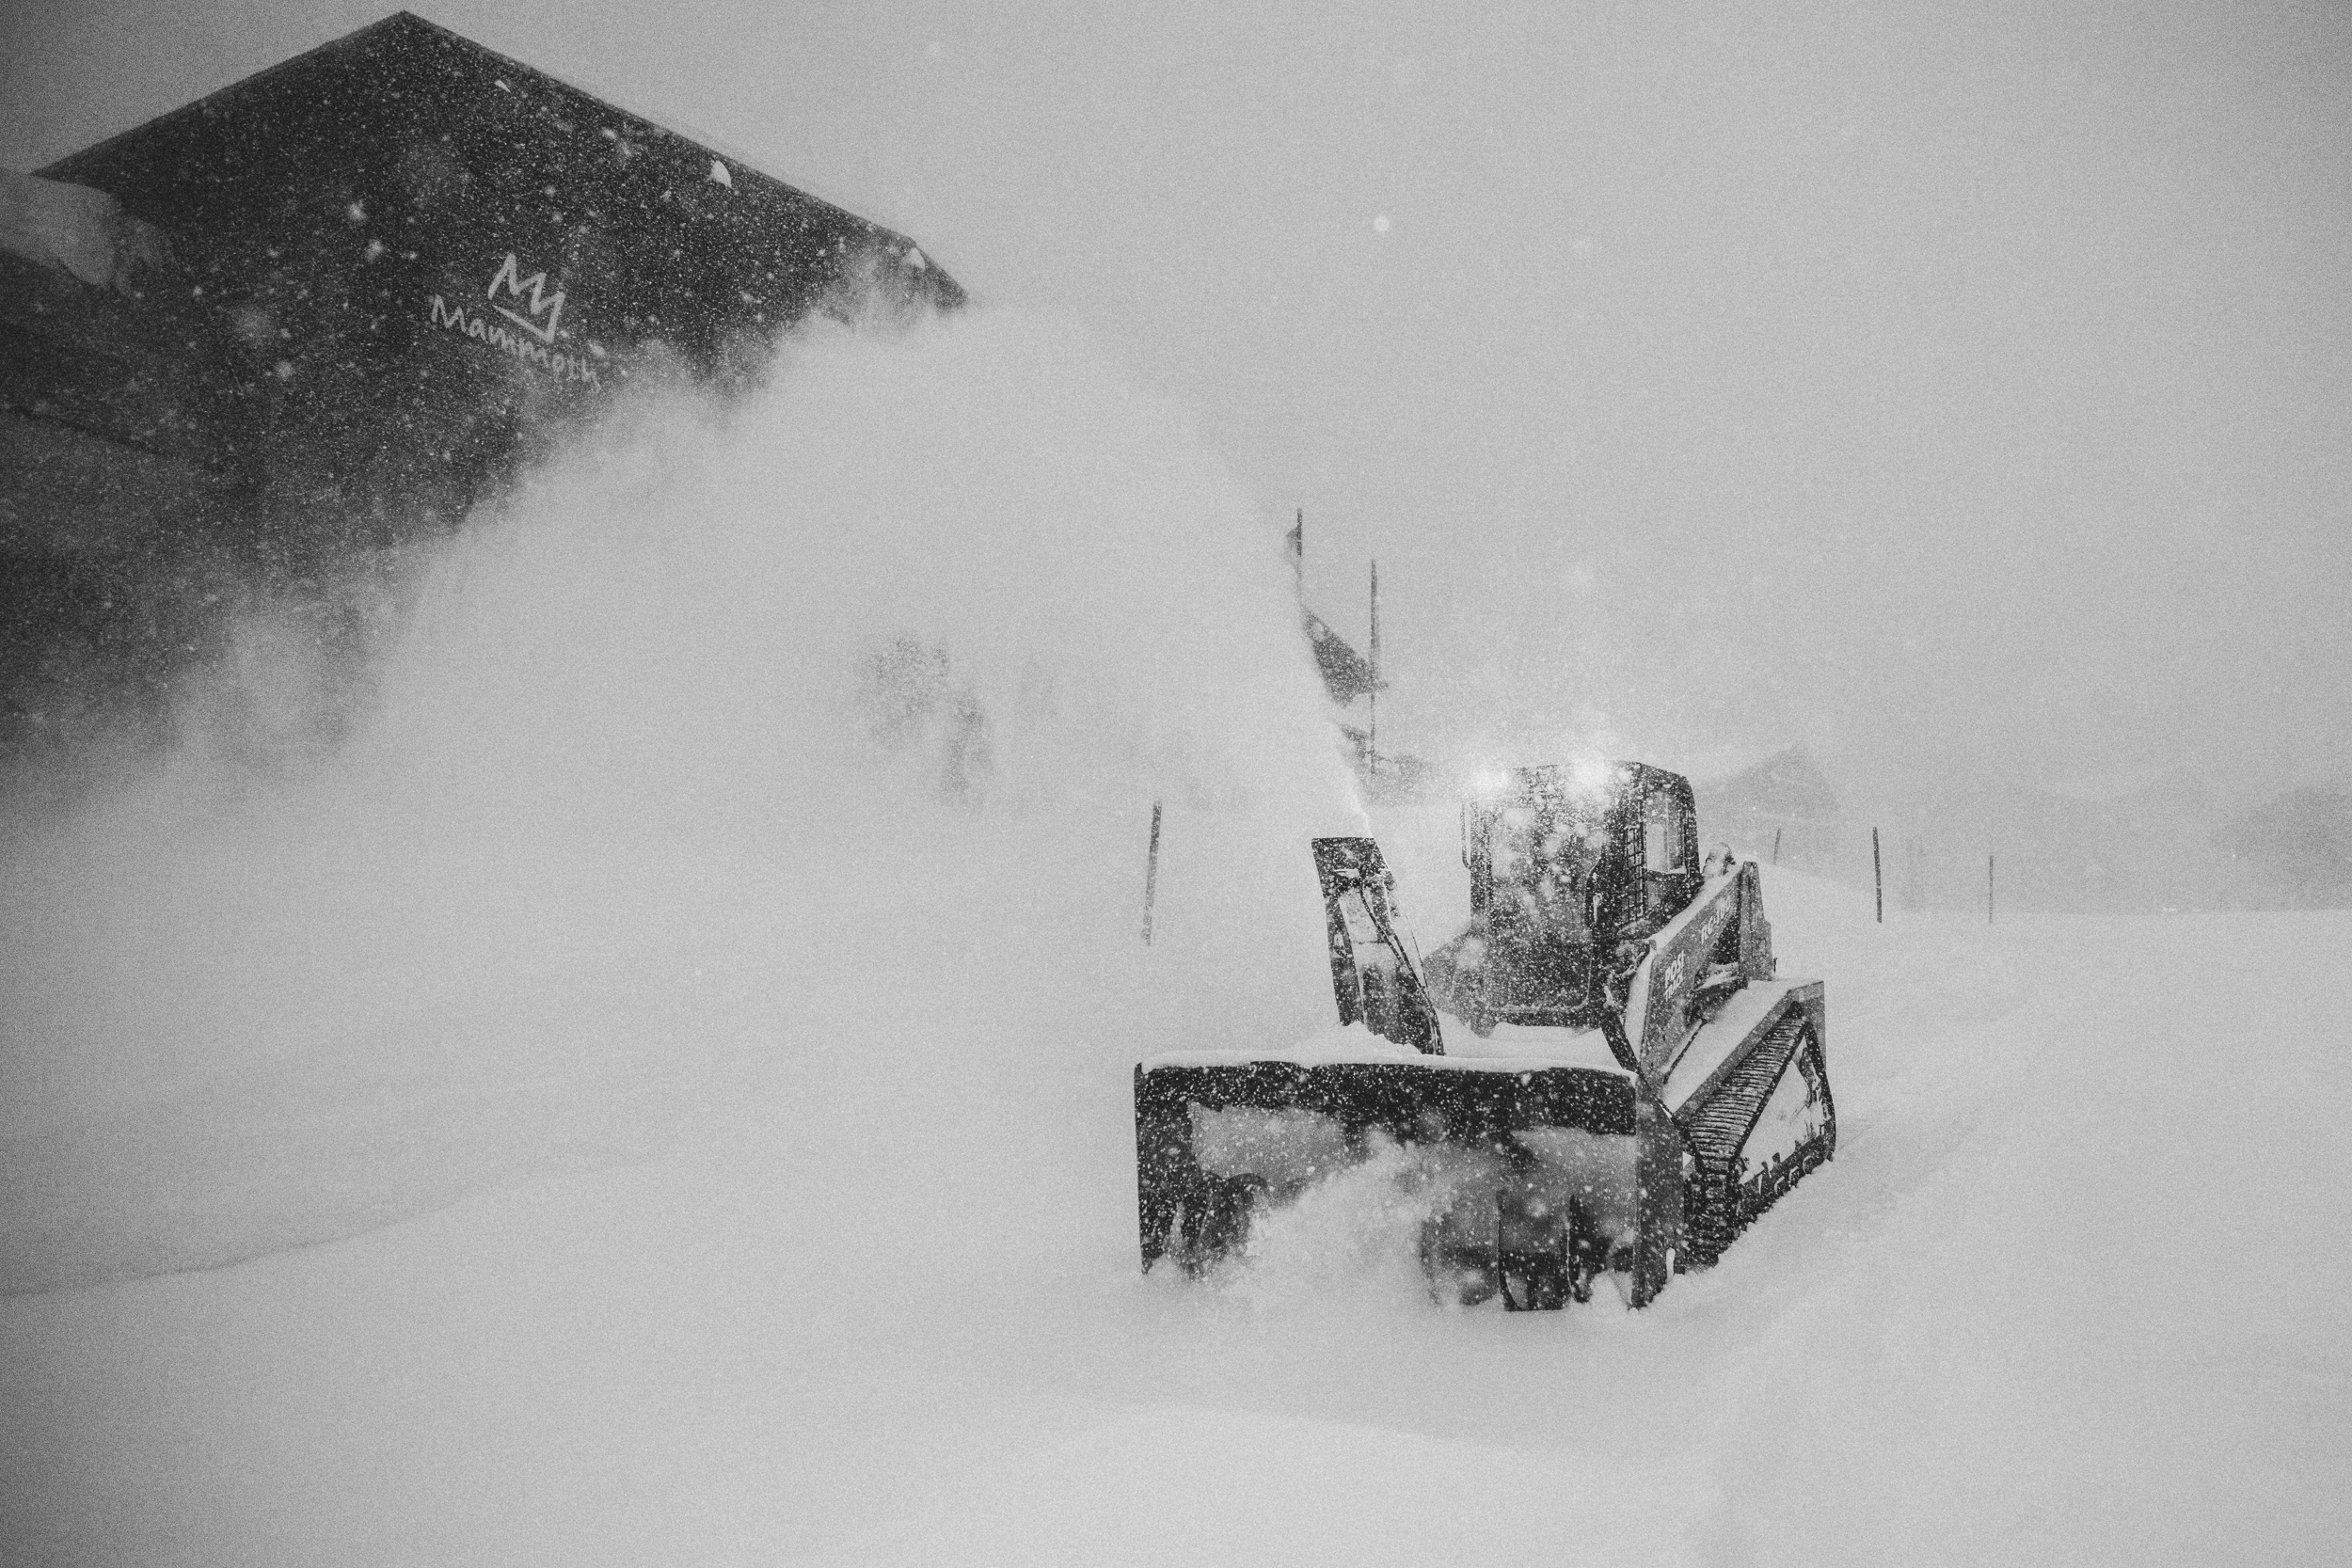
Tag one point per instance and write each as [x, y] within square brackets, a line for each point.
[638, 1105]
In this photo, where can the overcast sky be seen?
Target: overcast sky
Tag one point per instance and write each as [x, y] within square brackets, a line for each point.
[1960, 391]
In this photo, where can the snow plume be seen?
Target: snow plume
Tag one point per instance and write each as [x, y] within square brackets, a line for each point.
[979, 519]
[781, 764]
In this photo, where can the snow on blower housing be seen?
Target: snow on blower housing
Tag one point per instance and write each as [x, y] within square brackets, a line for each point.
[1626, 1086]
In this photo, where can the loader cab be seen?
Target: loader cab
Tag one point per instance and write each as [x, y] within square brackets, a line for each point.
[1567, 865]
[1581, 855]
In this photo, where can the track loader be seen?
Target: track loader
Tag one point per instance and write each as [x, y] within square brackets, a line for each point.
[1600, 1075]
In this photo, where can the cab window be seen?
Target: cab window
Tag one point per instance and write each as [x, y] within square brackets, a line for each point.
[1661, 834]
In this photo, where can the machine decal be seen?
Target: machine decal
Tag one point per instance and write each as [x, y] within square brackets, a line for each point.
[1683, 956]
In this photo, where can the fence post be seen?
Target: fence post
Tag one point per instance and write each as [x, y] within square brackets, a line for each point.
[1151, 873]
[1878, 876]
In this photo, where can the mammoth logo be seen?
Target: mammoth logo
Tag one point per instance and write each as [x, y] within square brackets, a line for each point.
[540, 303]
[538, 319]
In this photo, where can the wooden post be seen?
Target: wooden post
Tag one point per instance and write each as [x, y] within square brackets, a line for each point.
[1151, 873]
[1878, 877]
[1371, 730]
[1776, 845]
[1988, 889]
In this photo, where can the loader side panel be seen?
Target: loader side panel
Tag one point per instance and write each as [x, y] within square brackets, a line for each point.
[1666, 987]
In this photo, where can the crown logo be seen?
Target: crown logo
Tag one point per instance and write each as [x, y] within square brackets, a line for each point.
[539, 302]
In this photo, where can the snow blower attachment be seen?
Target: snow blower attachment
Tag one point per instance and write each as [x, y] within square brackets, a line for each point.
[1624, 1088]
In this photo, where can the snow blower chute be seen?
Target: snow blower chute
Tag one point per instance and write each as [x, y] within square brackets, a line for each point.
[1626, 1085]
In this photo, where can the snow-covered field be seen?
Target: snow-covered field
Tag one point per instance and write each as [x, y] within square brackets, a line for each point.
[656, 1098]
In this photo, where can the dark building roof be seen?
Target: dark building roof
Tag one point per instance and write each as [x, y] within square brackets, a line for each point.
[399, 253]
[329, 308]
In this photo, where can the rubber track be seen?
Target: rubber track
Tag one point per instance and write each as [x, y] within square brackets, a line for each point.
[1718, 1128]
[1720, 1207]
